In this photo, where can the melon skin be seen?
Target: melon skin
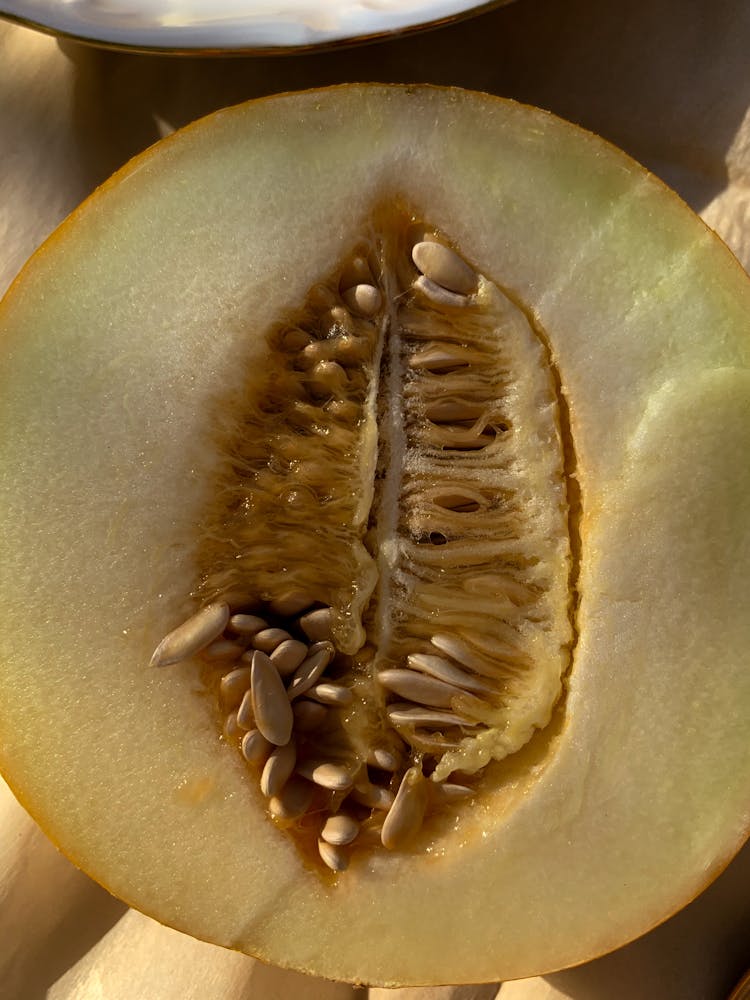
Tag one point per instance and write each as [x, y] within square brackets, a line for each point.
[133, 323]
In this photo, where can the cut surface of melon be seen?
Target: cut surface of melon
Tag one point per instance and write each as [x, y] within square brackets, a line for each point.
[126, 346]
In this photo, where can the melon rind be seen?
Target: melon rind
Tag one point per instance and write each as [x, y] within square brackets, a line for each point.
[140, 317]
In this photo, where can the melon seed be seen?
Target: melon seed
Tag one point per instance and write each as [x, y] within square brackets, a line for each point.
[192, 635]
[372, 796]
[268, 639]
[381, 758]
[364, 299]
[294, 799]
[256, 749]
[438, 295]
[404, 818]
[224, 650]
[410, 714]
[247, 624]
[271, 708]
[278, 769]
[288, 655]
[231, 730]
[331, 694]
[317, 624]
[339, 829]
[444, 792]
[233, 687]
[308, 672]
[333, 856]
[444, 670]
[308, 715]
[444, 267]
[419, 687]
[335, 777]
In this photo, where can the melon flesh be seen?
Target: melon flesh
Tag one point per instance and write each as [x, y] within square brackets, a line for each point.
[136, 322]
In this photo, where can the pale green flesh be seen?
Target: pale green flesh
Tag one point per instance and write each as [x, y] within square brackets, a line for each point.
[646, 792]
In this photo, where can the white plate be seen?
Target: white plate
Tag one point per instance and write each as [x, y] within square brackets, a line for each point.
[232, 25]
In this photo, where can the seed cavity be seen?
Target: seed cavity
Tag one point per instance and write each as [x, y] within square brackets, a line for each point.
[290, 605]
[389, 588]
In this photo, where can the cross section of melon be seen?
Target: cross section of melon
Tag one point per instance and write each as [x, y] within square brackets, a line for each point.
[125, 347]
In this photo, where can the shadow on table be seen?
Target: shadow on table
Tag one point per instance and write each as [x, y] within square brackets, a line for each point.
[666, 82]
[93, 914]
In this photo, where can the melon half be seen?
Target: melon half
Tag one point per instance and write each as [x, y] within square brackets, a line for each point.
[142, 396]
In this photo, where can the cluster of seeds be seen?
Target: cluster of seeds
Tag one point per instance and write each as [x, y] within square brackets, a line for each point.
[283, 715]
[401, 465]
